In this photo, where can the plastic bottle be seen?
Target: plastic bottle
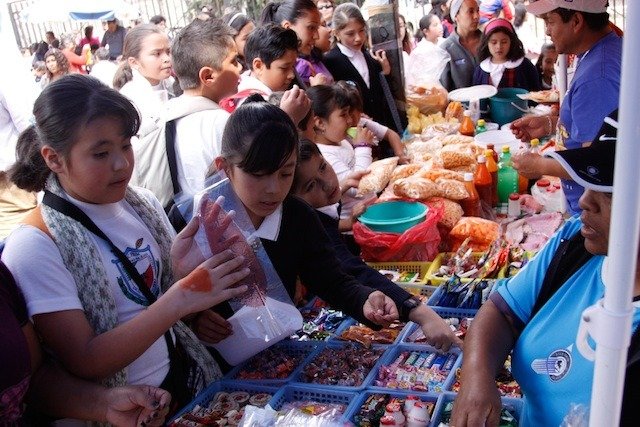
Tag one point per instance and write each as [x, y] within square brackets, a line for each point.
[467, 127]
[494, 154]
[513, 207]
[471, 205]
[507, 176]
[483, 182]
[481, 126]
[539, 191]
[492, 167]
[556, 201]
[534, 146]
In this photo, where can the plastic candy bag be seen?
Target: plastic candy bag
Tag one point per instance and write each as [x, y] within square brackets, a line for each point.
[481, 232]
[264, 314]
[419, 243]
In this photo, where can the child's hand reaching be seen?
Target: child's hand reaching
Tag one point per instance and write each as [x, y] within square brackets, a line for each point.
[363, 136]
[319, 79]
[295, 103]
[352, 180]
[380, 309]
[210, 327]
[381, 57]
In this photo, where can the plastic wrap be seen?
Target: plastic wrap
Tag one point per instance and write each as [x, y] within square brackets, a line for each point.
[264, 314]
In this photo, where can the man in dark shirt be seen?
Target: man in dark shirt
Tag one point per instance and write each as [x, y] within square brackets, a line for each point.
[114, 38]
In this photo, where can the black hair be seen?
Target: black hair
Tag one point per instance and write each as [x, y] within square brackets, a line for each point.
[157, 19]
[406, 40]
[307, 150]
[287, 10]
[594, 21]
[348, 92]
[325, 99]
[424, 24]
[62, 108]
[516, 49]
[88, 32]
[519, 15]
[543, 51]
[259, 138]
[132, 48]
[200, 44]
[236, 20]
[269, 42]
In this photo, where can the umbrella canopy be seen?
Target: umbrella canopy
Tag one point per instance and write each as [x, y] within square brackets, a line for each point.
[80, 10]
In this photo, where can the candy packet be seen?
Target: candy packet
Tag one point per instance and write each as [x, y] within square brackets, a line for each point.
[265, 313]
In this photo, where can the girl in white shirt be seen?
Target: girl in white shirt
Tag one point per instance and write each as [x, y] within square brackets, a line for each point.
[97, 320]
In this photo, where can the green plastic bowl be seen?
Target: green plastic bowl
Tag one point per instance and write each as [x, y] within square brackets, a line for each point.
[506, 107]
[393, 217]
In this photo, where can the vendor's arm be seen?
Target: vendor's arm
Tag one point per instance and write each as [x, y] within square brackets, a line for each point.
[486, 347]
[533, 166]
[530, 127]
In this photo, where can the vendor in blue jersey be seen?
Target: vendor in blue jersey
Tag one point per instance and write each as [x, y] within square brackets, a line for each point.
[581, 28]
[536, 314]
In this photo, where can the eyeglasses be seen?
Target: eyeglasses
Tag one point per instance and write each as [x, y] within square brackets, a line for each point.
[328, 6]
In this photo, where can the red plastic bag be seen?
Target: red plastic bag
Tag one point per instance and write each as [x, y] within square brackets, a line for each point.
[419, 243]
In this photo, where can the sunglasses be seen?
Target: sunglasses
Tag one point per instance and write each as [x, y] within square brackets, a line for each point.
[325, 7]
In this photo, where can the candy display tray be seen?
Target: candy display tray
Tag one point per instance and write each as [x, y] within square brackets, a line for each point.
[355, 407]
[515, 406]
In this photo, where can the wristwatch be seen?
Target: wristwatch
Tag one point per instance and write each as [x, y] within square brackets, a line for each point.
[408, 305]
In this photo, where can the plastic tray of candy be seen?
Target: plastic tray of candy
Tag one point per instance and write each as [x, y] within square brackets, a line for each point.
[434, 301]
[356, 406]
[445, 313]
[353, 322]
[514, 406]
[404, 269]
[423, 292]
[207, 395]
[275, 371]
[435, 278]
[449, 362]
[301, 393]
[316, 331]
[340, 380]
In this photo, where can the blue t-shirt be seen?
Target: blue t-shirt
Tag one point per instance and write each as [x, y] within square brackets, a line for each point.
[546, 362]
[592, 96]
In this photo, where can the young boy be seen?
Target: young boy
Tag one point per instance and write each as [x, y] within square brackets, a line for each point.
[270, 52]
[204, 59]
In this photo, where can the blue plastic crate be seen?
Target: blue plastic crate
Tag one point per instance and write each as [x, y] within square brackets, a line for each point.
[515, 406]
[353, 322]
[444, 312]
[466, 312]
[297, 392]
[208, 393]
[304, 350]
[395, 351]
[338, 345]
[354, 408]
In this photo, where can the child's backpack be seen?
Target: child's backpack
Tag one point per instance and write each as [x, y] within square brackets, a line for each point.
[230, 103]
[156, 166]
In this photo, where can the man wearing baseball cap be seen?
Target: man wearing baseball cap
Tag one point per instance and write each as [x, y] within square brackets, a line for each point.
[536, 314]
[580, 27]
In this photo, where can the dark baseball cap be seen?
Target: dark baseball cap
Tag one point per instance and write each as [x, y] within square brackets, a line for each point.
[592, 166]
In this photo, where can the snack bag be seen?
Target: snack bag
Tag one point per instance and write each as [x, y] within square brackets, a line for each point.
[481, 233]
[264, 314]
[378, 177]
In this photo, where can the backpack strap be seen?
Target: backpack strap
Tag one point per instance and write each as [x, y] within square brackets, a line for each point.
[170, 138]
[568, 258]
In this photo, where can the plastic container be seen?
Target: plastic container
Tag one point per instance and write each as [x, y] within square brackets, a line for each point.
[304, 350]
[515, 407]
[395, 351]
[297, 393]
[499, 138]
[393, 217]
[549, 195]
[208, 393]
[354, 408]
[506, 107]
[492, 167]
[422, 268]
[471, 204]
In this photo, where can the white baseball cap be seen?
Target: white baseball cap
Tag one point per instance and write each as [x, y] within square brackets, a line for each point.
[540, 7]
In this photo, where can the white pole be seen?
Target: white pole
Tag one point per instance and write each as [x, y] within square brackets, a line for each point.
[608, 380]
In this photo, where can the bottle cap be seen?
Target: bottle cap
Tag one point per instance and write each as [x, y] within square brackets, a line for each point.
[505, 148]
[514, 196]
[544, 182]
[534, 142]
[481, 122]
[468, 176]
[482, 159]
[488, 153]
[467, 113]
[490, 146]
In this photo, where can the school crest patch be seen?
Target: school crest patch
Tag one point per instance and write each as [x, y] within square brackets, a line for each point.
[556, 365]
[148, 267]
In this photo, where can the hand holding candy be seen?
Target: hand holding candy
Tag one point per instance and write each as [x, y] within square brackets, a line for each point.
[380, 309]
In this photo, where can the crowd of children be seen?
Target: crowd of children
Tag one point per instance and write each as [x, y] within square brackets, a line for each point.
[116, 296]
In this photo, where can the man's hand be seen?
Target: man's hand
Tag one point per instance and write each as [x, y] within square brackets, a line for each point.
[529, 165]
[137, 406]
[530, 127]
[380, 309]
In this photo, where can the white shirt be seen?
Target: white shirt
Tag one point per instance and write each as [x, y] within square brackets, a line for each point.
[270, 227]
[198, 142]
[150, 100]
[249, 81]
[356, 57]
[104, 71]
[344, 159]
[425, 64]
[49, 287]
[497, 70]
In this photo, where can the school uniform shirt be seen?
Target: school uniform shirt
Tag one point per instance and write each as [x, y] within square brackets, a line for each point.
[198, 141]
[546, 362]
[520, 73]
[596, 78]
[15, 357]
[48, 287]
[345, 159]
[150, 100]
[248, 81]
[458, 72]
[104, 71]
